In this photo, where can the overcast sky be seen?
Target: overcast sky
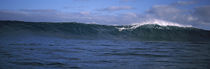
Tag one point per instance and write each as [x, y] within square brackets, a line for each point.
[111, 12]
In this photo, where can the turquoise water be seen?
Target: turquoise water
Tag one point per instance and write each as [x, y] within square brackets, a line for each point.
[72, 30]
[37, 45]
[58, 53]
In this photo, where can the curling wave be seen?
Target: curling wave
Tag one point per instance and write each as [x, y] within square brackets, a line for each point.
[156, 30]
[155, 22]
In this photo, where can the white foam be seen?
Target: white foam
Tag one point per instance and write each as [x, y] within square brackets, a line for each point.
[154, 21]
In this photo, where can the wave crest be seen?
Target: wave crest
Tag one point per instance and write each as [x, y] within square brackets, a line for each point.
[155, 22]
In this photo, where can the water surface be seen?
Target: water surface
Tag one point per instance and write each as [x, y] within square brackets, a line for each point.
[50, 53]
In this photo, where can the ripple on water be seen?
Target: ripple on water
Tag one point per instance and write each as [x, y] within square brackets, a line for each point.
[134, 54]
[28, 63]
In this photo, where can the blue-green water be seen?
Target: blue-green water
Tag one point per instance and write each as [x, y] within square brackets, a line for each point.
[149, 32]
[29, 45]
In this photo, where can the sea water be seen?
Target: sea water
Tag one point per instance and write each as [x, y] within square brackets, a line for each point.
[59, 53]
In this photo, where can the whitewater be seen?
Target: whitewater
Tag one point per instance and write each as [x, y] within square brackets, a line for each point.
[151, 44]
[154, 22]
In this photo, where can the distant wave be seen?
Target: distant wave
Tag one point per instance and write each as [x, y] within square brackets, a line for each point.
[153, 21]
[154, 30]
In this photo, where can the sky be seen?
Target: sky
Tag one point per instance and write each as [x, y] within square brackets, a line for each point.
[108, 12]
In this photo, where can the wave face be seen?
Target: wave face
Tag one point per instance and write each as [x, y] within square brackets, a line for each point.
[148, 31]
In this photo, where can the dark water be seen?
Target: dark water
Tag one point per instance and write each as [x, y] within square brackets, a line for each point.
[147, 32]
[53, 53]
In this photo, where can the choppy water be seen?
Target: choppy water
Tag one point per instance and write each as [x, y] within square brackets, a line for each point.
[102, 54]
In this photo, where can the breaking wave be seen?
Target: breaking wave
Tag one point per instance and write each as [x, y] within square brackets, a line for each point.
[154, 21]
[154, 30]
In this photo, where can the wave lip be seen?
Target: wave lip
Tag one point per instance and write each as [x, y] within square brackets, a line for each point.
[154, 22]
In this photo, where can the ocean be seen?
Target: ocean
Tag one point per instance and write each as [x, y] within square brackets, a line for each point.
[29, 45]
